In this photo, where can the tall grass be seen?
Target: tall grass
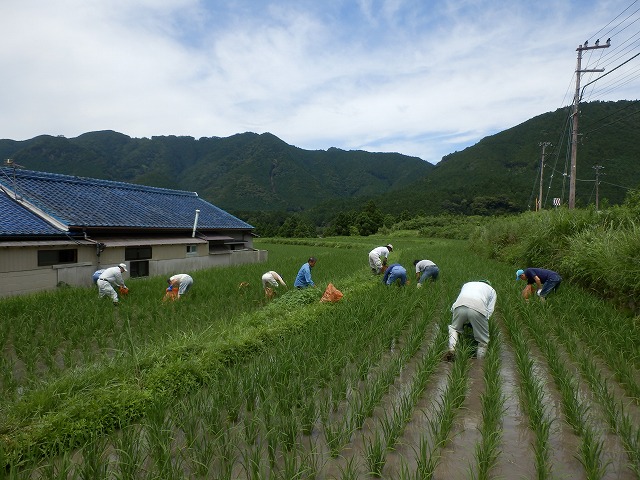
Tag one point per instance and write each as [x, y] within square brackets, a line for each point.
[597, 250]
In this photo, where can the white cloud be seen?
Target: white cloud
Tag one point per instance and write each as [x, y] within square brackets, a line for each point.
[420, 78]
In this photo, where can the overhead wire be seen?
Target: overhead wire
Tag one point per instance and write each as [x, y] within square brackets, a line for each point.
[599, 86]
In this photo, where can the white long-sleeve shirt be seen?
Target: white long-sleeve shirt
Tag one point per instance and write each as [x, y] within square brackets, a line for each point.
[478, 296]
[178, 278]
[113, 275]
[272, 278]
[379, 252]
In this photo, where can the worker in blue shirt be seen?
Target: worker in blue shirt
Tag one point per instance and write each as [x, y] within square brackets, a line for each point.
[393, 273]
[303, 280]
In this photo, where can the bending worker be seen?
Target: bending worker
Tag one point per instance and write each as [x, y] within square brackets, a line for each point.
[395, 272]
[425, 269]
[269, 280]
[545, 281]
[181, 281]
[109, 278]
[378, 258]
[474, 305]
[303, 279]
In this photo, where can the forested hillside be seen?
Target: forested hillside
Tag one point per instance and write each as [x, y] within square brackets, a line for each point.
[501, 172]
[242, 172]
[265, 178]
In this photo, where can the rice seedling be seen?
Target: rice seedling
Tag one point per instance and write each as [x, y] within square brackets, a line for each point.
[375, 453]
[493, 400]
[427, 456]
[128, 450]
[160, 441]
[618, 421]
[350, 470]
[252, 463]
[95, 463]
[574, 408]
[531, 395]
[57, 469]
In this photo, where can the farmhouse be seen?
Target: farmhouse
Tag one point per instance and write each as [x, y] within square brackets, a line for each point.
[58, 229]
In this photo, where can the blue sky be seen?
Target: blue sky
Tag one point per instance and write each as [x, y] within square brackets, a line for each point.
[423, 78]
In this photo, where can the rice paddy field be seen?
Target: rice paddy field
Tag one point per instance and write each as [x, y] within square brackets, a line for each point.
[227, 384]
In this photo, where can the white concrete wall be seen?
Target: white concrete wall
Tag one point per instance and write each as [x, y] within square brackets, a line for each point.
[19, 266]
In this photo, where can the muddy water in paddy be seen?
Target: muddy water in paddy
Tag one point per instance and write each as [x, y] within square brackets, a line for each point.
[418, 428]
[516, 459]
[458, 455]
[405, 450]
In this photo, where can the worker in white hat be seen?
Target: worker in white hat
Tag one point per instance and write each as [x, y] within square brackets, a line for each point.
[110, 278]
[378, 258]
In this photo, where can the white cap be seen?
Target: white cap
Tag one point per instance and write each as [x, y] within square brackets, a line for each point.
[123, 266]
[389, 246]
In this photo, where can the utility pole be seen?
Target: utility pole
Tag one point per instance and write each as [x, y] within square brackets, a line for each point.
[574, 129]
[544, 145]
[597, 169]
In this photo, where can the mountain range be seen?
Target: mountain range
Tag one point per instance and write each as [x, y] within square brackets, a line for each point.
[251, 172]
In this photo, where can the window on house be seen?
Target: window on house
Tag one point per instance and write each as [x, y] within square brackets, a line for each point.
[138, 258]
[137, 253]
[218, 247]
[139, 268]
[56, 257]
[192, 250]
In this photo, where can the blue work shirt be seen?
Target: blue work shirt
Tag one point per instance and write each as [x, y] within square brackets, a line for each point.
[304, 277]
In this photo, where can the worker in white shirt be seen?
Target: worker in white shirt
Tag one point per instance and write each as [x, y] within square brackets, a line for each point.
[378, 258]
[110, 278]
[181, 282]
[271, 280]
[475, 305]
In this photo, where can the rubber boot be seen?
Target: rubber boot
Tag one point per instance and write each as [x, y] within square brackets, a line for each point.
[453, 339]
[481, 351]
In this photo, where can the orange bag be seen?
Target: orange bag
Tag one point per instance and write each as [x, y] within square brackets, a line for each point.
[331, 294]
[171, 294]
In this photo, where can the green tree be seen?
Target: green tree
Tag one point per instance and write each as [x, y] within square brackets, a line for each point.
[342, 223]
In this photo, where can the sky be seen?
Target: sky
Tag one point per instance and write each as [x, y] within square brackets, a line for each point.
[420, 77]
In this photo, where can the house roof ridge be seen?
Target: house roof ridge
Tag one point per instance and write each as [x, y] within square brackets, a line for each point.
[60, 177]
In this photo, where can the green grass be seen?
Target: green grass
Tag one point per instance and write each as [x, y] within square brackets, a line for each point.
[246, 387]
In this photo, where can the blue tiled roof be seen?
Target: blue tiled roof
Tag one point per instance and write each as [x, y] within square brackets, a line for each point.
[88, 202]
[17, 221]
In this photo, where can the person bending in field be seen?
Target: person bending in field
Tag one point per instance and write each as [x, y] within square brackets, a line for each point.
[542, 281]
[270, 281]
[303, 279]
[395, 273]
[181, 282]
[109, 278]
[474, 306]
[378, 258]
[425, 270]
